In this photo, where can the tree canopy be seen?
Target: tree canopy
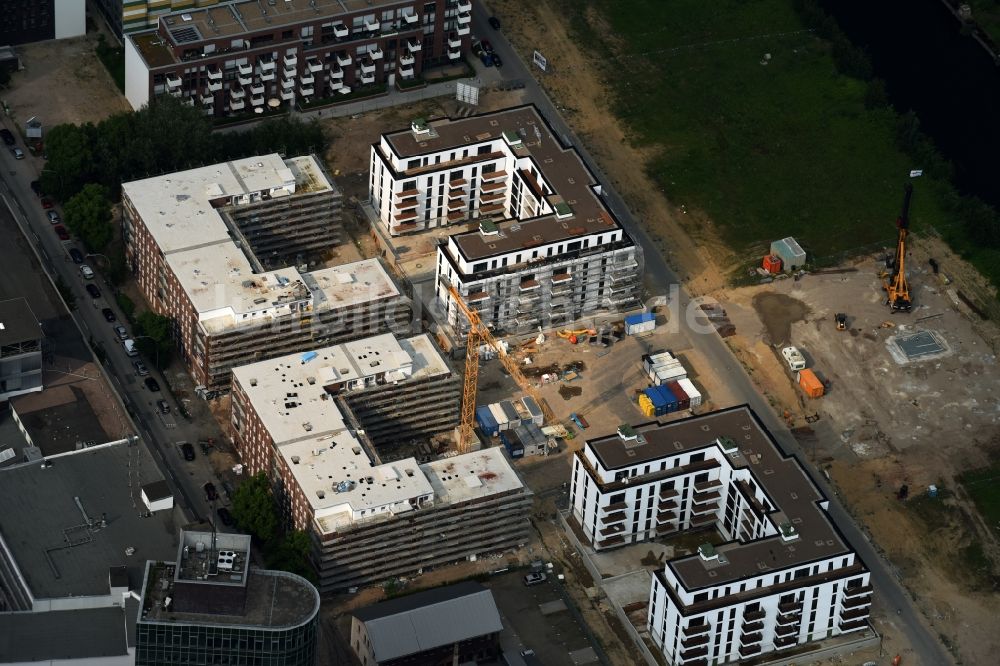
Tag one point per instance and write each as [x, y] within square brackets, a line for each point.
[255, 510]
[88, 215]
[160, 138]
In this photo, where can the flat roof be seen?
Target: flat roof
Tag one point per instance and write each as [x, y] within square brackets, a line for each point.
[471, 475]
[201, 556]
[793, 495]
[274, 600]
[59, 418]
[46, 509]
[90, 633]
[18, 322]
[562, 168]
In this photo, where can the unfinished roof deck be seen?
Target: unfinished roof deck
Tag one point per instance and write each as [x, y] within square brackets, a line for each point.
[472, 476]
[581, 210]
[795, 499]
[17, 322]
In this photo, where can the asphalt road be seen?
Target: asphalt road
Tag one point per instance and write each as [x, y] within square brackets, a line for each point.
[661, 278]
[186, 478]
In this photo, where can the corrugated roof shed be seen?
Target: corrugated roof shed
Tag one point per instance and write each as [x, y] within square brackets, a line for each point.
[430, 619]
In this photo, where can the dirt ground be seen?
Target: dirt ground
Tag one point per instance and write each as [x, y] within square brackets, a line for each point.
[883, 424]
[63, 82]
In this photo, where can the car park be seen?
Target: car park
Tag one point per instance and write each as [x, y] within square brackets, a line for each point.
[17, 153]
[225, 516]
[140, 368]
[152, 385]
[93, 291]
[54, 217]
[211, 494]
[61, 232]
[7, 136]
[494, 22]
[109, 314]
[536, 578]
[121, 332]
[76, 255]
[187, 451]
[163, 406]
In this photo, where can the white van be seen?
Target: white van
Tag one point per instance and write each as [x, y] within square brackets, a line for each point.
[130, 349]
[794, 358]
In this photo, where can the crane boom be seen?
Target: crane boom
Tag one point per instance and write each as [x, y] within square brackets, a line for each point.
[478, 335]
[896, 287]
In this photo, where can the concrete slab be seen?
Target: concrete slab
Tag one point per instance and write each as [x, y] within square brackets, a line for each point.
[919, 346]
[550, 607]
[629, 588]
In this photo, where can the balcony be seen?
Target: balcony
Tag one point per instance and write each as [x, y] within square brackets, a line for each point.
[289, 71]
[454, 42]
[701, 521]
[267, 64]
[464, 19]
[456, 216]
[336, 72]
[406, 194]
[173, 81]
[751, 639]
[492, 209]
[855, 614]
[257, 100]
[705, 497]
[288, 84]
[257, 88]
[292, 60]
[245, 80]
[267, 75]
[611, 541]
[856, 602]
[406, 60]
[367, 79]
[703, 509]
[414, 45]
[694, 653]
[208, 100]
[790, 607]
[187, 101]
[246, 69]
[454, 55]
[313, 64]
[747, 651]
[857, 591]
[711, 484]
[695, 641]
[287, 95]
[607, 531]
[464, 6]
[753, 615]
[340, 30]
[410, 19]
[853, 625]
[237, 93]
[307, 91]
[696, 629]
[344, 60]
[463, 30]
[406, 72]
[367, 67]
[372, 25]
[456, 204]
[236, 105]
[665, 492]
[375, 52]
[664, 517]
[215, 86]
[613, 517]
[785, 641]
[214, 73]
[753, 627]
[307, 79]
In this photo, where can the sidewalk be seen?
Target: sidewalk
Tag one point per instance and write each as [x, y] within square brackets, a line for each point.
[393, 98]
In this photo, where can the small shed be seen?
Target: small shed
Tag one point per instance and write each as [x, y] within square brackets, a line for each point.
[792, 256]
[644, 322]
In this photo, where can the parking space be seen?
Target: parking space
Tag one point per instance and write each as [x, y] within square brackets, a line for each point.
[537, 618]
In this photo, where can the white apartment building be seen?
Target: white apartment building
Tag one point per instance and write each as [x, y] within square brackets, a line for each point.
[534, 243]
[783, 574]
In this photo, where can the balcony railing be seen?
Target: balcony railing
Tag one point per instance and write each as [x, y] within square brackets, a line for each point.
[344, 60]
[257, 100]
[858, 590]
[314, 64]
[237, 93]
[173, 81]
[307, 79]
[267, 64]
[336, 72]
[236, 105]
[696, 629]
[463, 30]
[246, 69]
[245, 79]
[257, 88]
[454, 42]
[288, 84]
[291, 59]
[307, 91]
[367, 78]
[375, 53]
[410, 19]
[215, 86]
[464, 19]
[465, 6]
[372, 25]
[287, 95]
[406, 60]
[341, 30]
[214, 73]
[413, 45]
[267, 75]
[367, 67]
[454, 55]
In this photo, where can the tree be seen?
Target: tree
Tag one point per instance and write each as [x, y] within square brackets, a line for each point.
[88, 215]
[70, 162]
[292, 554]
[255, 510]
[157, 340]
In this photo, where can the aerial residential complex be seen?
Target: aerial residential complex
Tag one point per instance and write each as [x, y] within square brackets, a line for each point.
[534, 243]
[209, 606]
[199, 242]
[372, 520]
[784, 576]
[245, 56]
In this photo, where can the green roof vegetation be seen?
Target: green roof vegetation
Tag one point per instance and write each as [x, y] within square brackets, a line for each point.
[563, 209]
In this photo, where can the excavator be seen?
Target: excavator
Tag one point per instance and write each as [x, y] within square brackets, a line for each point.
[896, 288]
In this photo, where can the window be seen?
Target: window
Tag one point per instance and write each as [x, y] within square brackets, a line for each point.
[483, 150]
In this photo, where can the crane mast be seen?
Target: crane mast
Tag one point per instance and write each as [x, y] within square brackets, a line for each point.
[896, 288]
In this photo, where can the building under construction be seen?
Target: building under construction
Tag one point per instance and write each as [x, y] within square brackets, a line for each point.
[199, 242]
[315, 423]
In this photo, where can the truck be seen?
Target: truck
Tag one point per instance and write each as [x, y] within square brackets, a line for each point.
[794, 358]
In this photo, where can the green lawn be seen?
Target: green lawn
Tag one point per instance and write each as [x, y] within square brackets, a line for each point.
[767, 151]
[983, 485]
[113, 58]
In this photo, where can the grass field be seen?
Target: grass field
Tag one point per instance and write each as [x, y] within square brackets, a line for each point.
[113, 58]
[983, 485]
[766, 150]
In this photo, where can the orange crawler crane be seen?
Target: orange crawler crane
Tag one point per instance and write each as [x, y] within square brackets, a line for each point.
[896, 289]
[479, 334]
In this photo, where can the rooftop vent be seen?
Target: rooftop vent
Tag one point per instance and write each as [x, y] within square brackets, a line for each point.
[788, 532]
[563, 210]
[345, 486]
[707, 552]
[420, 126]
[488, 228]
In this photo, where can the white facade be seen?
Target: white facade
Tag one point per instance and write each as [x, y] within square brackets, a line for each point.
[781, 575]
[136, 77]
[70, 18]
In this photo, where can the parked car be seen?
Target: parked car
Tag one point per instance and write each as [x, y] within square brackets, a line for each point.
[486, 46]
[225, 516]
[188, 451]
[86, 271]
[36, 187]
[121, 332]
[76, 255]
[211, 493]
[140, 367]
[54, 217]
[494, 23]
[163, 406]
[109, 314]
[46, 203]
[17, 153]
[536, 578]
[152, 385]
[61, 232]
[487, 58]
[496, 60]
[7, 136]
[93, 291]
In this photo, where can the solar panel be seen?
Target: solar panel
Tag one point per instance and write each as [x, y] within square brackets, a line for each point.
[185, 34]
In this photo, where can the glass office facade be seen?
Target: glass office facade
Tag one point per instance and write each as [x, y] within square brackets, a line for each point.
[174, 644]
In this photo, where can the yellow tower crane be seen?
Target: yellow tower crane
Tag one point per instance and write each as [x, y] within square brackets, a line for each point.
[479, 334]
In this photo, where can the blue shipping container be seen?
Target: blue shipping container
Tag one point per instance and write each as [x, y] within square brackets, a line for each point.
[659, 403]
[514, 449]
[668, 397]
[488, 424]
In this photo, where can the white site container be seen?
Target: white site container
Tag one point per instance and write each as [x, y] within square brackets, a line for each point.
[693, 394]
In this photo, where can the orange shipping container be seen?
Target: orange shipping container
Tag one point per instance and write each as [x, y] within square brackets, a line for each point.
[810, 383]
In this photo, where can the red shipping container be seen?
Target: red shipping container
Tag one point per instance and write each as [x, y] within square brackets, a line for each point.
[772, 263]
[683, 401]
